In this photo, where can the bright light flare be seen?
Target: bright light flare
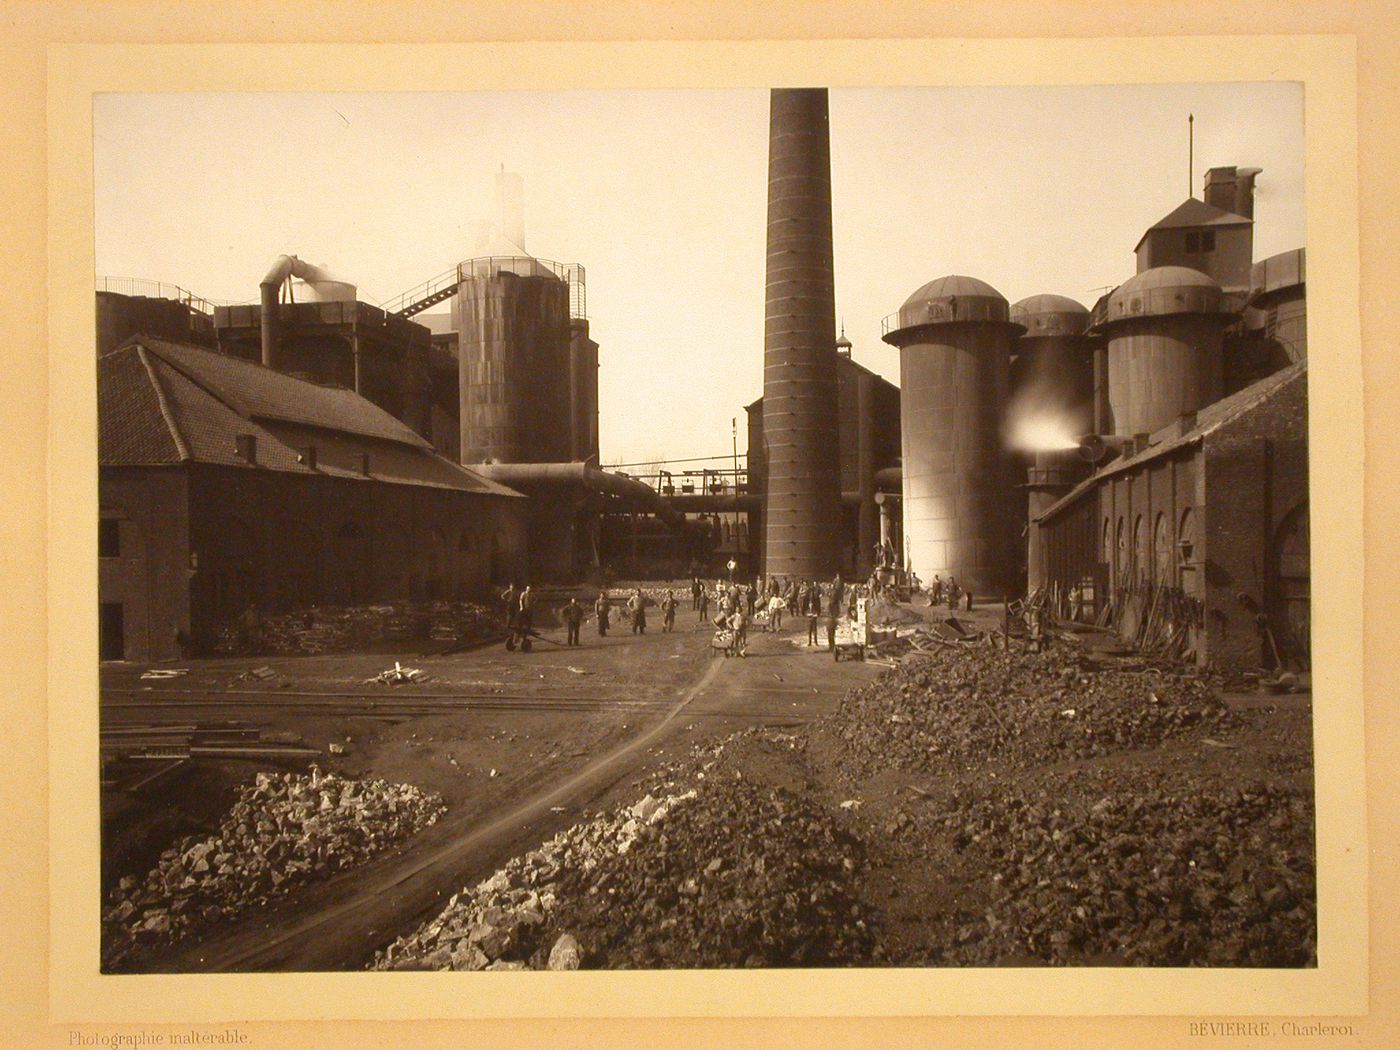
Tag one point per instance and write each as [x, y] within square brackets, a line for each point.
[1041, 432]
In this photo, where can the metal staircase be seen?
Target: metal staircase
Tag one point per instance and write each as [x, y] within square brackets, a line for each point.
[424, 296]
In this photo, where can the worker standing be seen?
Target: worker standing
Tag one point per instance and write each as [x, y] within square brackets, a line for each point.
[776, 605]
[637, 604]
[833, 613]
[510, 598]
[603, 609]
[739, 624]
[525, 619]
[668, 613]
[696, 590]
[573, 619]
[704, 604]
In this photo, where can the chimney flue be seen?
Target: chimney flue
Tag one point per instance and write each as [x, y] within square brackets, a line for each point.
[803, 499]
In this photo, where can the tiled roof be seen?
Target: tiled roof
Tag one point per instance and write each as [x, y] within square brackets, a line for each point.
[1208, 420]
[153, 412]
[256, 392]
[131, 428]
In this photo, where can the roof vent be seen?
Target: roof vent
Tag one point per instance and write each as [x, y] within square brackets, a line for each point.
[245, 447]
[364, 464]
[307, 457]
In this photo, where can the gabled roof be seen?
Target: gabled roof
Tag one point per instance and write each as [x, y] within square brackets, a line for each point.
[1193, 212]
[1208, 420]
[842, 361]
[256, 392]
[162, 403]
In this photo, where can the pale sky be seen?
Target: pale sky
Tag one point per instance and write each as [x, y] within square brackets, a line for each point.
[662, 196]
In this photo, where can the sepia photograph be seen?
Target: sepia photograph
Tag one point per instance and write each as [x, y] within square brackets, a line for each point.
[782, 527]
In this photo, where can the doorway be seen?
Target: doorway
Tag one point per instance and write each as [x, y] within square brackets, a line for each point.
[111, 643]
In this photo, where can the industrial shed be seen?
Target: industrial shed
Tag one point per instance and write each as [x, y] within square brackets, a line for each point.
[224, 484]
[1207, 523]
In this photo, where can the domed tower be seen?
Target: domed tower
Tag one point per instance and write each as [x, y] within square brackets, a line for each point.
[955, 337]
[1165, 329]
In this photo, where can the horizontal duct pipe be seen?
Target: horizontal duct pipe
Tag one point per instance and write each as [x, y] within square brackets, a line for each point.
[585, 475]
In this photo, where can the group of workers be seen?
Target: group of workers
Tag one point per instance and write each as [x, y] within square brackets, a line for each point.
[519, 605]
[737, 605]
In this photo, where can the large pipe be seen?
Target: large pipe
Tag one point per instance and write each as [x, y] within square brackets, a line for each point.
[268, 288]
[802, 510]
[586, 475]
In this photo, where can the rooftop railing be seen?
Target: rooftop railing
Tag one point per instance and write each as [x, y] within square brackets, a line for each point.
[149, 289]
[442, 287]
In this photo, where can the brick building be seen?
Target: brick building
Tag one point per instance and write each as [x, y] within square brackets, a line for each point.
[1209, 519]
[224, 484]
[868, 442]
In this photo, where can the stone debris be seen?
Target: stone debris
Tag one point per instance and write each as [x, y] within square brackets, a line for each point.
[744, 876]
[566, 954]
[339, 629]
[727, 874]
[285, 829]
[1100, 867]
[398, 675]
[957, 709]
[502, 919]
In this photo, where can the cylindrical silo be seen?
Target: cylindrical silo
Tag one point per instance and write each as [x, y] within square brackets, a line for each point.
[960, 509]
[1164, 330]
[514, 362]
[583, 392]
[1051, 383]
[802, 513]
[1051, 474]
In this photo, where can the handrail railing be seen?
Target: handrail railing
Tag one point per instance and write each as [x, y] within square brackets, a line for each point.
[440, 288]
[151, 289]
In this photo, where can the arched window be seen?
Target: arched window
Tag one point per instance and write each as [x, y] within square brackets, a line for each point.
[1106, 551]
[1162, 551]
[1186, 561]
[1120, 551]
[1141, 561]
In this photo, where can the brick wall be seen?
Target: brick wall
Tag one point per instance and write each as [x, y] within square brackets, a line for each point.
[1256, 472]
[149, 577]
[198, 544]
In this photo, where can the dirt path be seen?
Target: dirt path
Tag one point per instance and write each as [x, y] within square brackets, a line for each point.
[339, 924]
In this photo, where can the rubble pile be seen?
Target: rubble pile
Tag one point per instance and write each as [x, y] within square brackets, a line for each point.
[334, 629]
[500, 923]
[283, 830]
[1103, 868]
[745, 876]
[955, 709]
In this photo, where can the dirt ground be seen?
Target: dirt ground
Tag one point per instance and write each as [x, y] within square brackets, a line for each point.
[597, 725]
[509, 777]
